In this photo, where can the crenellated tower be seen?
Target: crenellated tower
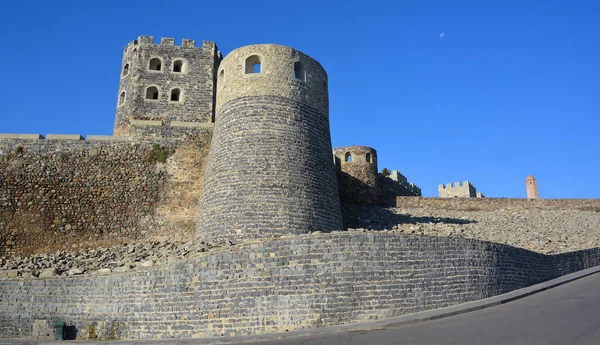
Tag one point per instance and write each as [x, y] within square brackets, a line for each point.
[459, 190]
[357, 175]
[166, 82]
[270, 168]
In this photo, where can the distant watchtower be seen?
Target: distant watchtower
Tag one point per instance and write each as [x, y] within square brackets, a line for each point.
[459, 190]
[532, 188]
[166, 82]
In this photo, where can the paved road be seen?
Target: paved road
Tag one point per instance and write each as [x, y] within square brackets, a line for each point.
[565, 315]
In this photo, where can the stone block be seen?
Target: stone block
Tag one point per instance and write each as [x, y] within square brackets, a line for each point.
[48, 272]
[9, 274]
[146, 123]
[107, 138]
[64, 137]
[21, 136]
[192, 124]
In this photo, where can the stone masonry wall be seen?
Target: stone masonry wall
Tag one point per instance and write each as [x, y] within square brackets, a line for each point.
[67, 194]
[270, 170]
[490, 204]
[290, 283]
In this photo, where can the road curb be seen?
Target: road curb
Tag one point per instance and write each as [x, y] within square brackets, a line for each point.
[354, 327]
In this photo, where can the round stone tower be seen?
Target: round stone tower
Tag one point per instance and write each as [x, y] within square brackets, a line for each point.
[270, 168]
[532, 188]
[357, 174]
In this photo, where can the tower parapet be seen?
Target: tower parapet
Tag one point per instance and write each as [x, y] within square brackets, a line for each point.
[412, 188]
[166, 82]
[460, 189]
[357, 175]
[269, 170]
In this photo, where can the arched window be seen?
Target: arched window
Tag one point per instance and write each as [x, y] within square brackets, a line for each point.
[253, 64]
[299, 71]
[155, 64]
[368, 158]
[221, 79]
[122, 98]
[152, 93]
[178, 66]
[348, 157]
[125, 69]
[175, 95]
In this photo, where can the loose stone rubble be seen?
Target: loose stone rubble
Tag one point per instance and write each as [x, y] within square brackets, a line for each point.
[539, 230]
[99, 261]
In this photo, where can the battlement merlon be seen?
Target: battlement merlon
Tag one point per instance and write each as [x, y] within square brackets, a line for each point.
[455, 185]
[397, 176]
[143, 41]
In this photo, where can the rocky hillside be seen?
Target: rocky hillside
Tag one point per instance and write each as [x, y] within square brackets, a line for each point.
[99, 261]
[542, 230]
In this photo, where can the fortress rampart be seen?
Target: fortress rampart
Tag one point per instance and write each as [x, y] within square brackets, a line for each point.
[360, 183]
[65, 192]
[491, 204]
[291, 283]
[235, 150]
[411, 189]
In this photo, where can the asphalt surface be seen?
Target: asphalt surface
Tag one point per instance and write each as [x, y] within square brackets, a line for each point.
[567, 314]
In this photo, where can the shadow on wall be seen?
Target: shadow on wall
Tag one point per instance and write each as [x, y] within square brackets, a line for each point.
[382, 192]
[355, 191]
[379, 218]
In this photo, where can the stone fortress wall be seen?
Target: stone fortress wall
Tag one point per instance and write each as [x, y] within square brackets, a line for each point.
[269, 190]
[361, 183]
[62, 192]
[410, 188]
[490, 204]
[65, 192]
[286, 284]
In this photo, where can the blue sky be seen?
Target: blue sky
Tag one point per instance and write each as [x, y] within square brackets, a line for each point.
[511, 89]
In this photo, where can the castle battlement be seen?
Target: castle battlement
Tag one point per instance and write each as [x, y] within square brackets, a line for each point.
[403, 181]
[140, 124]
[176, 83]
[167, 42]
[72, 137]
[455, 185]
[464, 189]
[236, 153]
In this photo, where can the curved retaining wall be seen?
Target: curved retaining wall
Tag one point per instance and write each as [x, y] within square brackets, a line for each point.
[287, 284]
